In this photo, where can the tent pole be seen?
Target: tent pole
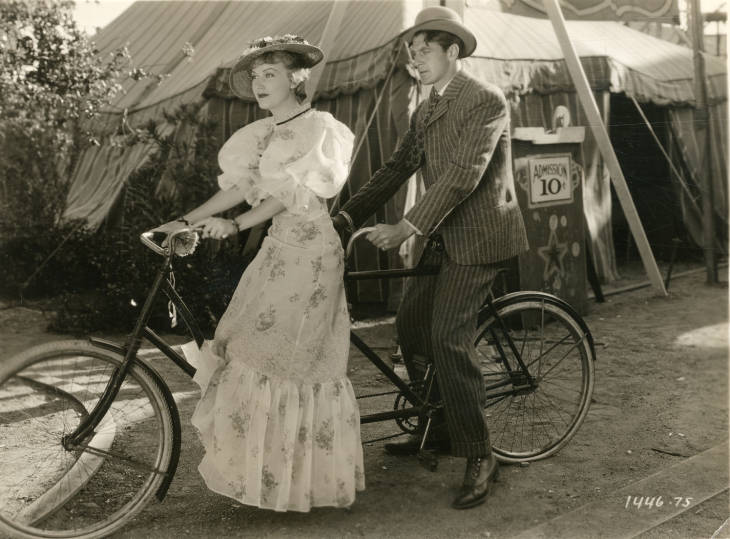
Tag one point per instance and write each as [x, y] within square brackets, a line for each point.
[604, 143]
[703, 139]
[361, 140]
[326, 43]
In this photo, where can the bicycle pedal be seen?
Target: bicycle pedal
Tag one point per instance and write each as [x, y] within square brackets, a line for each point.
[428, 459]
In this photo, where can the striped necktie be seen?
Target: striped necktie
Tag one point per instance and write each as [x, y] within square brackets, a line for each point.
[433, 100]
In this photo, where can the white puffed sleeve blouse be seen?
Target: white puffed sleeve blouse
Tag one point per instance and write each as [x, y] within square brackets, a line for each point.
[300, 163]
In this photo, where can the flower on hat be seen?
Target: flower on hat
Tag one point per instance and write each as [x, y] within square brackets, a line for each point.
[239, 77]
[267, 41]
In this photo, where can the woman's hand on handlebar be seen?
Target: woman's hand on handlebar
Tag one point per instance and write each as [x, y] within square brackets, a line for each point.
[168, 228]
[217, 228]
[342, 227]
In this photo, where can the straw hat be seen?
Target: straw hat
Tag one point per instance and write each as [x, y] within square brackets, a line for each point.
[446, 20]
[240, 76]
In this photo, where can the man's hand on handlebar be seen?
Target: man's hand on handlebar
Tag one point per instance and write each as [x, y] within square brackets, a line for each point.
[386, 237]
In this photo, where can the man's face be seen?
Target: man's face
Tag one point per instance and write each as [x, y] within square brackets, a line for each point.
[431, 61]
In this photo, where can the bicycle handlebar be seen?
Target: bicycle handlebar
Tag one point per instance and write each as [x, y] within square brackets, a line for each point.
[173, 239]
[356, 235]
[148, 239]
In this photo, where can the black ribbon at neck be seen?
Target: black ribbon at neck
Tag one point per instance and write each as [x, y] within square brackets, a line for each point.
[295, 116]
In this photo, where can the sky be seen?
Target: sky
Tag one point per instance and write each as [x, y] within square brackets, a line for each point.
[91, 14]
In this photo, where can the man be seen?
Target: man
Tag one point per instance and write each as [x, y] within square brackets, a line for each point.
[459, 138]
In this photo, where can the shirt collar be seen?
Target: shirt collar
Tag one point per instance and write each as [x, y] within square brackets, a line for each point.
[442, 90]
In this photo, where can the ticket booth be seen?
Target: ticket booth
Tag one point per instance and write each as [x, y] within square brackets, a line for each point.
[549, 184]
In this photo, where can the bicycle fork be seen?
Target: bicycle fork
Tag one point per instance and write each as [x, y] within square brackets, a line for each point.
[519, 378]
[90, 422]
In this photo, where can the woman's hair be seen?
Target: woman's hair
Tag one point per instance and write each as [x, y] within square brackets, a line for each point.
[294, 63]
[445, 39]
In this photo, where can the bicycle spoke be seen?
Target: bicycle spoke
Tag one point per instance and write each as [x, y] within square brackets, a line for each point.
[575, 345]
[541, 416]
[94, 487]
[134, 463]
[543, 355]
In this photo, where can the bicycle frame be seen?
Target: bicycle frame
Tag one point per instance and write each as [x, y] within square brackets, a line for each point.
[420, 405]
[133, 344]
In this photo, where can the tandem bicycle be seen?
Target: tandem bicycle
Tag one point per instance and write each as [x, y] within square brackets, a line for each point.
[90, 433]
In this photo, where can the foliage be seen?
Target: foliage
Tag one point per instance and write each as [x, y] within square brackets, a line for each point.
[53, 85]
[52, 82]
[180, 174]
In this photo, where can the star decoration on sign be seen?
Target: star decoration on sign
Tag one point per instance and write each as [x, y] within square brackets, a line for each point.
[553, 254]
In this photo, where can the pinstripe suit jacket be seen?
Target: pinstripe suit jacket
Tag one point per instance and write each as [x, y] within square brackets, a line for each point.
[466, 161]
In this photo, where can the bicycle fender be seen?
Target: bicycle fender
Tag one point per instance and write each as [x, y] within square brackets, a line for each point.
[169, 400]
[549, 298]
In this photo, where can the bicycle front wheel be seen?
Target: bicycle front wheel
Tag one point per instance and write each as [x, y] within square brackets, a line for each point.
[532, 414]
[49, 488]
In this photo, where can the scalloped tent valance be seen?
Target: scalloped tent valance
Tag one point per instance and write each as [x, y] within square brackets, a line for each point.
[520, 54]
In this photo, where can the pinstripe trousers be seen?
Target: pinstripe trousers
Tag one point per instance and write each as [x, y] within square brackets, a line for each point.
[437, 320]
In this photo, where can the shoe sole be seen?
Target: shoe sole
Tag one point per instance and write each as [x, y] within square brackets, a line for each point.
[483, 499]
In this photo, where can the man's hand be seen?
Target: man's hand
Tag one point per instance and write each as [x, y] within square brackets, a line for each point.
[390, 236]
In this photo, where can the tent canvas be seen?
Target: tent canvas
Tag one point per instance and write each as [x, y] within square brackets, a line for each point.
[519, 54]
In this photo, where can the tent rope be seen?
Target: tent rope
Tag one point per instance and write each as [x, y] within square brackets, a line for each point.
[48, 258]
[680, 178]
[396, 52]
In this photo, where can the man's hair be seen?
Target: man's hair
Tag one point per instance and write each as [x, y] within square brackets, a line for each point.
[444, 39]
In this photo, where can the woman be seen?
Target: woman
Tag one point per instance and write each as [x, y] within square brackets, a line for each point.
[277, 415]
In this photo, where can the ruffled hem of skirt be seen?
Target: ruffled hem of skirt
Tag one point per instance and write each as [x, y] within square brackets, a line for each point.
[278, 444]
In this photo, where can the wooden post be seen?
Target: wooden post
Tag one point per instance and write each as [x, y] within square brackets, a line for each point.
[326, 43]
[703, 140]
[604, 144]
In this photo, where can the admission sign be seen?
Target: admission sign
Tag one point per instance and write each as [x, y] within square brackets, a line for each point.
[550, 180]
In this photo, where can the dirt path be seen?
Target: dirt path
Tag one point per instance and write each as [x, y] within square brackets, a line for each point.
[661, 397]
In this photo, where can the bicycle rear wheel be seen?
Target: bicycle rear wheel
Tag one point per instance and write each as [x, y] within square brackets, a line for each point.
[530, 422]
[90, 490]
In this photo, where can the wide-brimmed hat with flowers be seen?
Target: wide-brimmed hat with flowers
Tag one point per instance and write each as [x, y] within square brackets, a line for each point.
[446, 20]
[240, 77]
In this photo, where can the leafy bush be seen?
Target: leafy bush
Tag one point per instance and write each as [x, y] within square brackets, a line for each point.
[29, 270]
[180, 175]
[52, 83]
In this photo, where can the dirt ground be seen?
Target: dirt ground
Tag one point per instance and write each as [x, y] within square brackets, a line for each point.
[661, 397]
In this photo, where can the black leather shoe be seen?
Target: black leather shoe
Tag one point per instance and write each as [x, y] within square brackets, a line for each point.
[413, 444]
[478, 476]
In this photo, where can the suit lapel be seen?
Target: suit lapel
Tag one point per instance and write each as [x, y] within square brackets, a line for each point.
[452, 90]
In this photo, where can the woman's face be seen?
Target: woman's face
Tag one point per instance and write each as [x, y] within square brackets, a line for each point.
[271, 84]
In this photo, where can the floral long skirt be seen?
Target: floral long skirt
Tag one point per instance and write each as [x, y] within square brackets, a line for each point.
[277, 415]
